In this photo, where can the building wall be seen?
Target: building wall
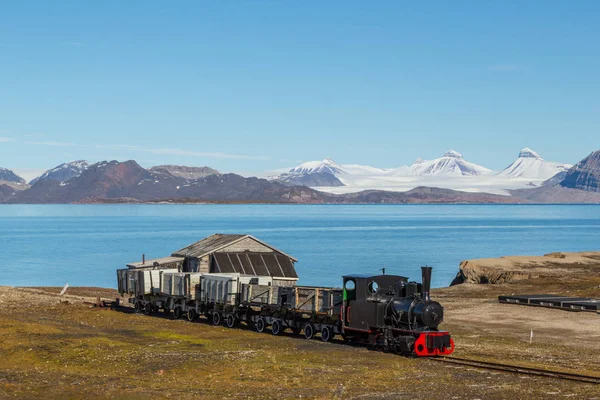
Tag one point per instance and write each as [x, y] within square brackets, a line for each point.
[283, 282]
[247, 244]
[178, 265]
[204, 265]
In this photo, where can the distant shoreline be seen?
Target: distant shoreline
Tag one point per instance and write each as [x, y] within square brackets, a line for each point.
[298, 204]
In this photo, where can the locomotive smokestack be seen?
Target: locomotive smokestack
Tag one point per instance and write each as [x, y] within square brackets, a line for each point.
[426, 281]
[143, 259]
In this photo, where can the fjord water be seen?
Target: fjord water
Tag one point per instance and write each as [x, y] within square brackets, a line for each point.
[84, 244]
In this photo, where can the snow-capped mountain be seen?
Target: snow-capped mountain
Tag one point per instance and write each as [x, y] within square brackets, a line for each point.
[451, 163]
[314, 174]
[329, 173]
[63, 172]
[450, 171]
[327, 166]
[531, 165]
[9, 176]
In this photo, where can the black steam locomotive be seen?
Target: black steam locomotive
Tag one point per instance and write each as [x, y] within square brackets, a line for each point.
[389, 311]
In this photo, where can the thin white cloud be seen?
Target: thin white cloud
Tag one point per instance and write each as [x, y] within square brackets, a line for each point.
[182, 152]
[50, 143]
[6, 139]
[506, 67]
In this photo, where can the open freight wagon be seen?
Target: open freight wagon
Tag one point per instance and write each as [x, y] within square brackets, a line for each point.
[233, 298]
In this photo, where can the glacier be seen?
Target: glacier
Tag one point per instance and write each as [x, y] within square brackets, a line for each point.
[450, 171]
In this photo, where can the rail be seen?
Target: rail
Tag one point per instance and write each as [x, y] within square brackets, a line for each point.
[516, 369]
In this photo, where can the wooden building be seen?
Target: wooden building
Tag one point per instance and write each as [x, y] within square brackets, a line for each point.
[244, 254]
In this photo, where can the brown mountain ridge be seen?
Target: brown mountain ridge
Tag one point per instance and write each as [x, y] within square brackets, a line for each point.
[128, 182]
[114, 182]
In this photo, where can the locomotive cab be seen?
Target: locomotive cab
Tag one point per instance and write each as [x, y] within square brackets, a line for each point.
[366, 298]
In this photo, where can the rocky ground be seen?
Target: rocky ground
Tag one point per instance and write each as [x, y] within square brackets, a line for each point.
[62, 347]
[562, 268]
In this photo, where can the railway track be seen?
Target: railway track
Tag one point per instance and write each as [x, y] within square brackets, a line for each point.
[515, 369]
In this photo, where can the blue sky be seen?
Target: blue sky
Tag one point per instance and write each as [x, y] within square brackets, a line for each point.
[261, 85]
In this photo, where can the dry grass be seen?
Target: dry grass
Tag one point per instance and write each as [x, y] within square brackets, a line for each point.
[51, 350]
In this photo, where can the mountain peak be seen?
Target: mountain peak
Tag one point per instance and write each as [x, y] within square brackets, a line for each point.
[531, 165]
[327, 166]
[63, 172]
[528, 153]
[451, 163]
[452, 154]
[9, 176]
[585, 175]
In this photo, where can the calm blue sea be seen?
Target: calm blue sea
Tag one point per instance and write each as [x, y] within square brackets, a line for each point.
[84, 244]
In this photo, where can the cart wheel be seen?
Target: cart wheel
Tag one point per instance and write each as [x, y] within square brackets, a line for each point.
[309, 331]
[138, 306]
[216, 318]
[177, 312]
[191, 315]
[276, 327]
[326, 333]
[261, 324]
[148, 309]
[230, 320]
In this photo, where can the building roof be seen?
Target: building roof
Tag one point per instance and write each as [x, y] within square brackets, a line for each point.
[249, 263]
[155, 262]
[216, 242]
